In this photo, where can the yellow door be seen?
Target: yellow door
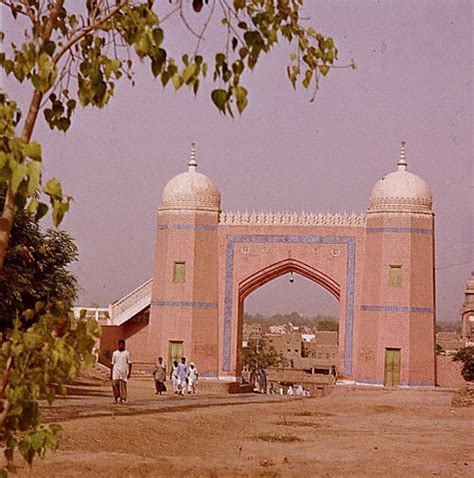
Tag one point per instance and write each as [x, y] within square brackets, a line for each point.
[392, 367]
[176, 351]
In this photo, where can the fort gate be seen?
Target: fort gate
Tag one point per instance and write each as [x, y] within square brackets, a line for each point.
[379, 265]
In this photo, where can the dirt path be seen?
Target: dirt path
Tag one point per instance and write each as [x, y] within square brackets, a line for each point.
[350, 432]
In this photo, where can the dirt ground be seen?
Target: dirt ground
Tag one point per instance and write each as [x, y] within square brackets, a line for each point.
[357, 432]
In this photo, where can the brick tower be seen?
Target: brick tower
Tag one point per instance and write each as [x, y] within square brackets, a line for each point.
[184, 311]
[396, 330]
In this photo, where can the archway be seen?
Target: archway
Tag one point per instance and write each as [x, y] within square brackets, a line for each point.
[306, 334]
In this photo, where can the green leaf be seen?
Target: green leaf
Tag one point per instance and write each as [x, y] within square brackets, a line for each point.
[53, 188]
[18, 174]
[34, 177]
[220, 97]
[33, 150]
[189, 72]
[177, 81]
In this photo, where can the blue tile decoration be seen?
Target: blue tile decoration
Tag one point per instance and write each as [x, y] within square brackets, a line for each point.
[185, 227]
[399, 230]
[396, 308]
[421, 383]
[231, 240]
[172, 303]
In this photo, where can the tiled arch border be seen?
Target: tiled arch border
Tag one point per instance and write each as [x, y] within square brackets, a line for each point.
[231, 240]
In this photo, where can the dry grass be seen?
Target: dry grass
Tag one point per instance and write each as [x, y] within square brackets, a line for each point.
[276, 438]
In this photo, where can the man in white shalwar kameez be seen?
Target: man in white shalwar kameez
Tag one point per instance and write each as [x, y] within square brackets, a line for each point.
[192, 378]
[182, 373]
[120, 372]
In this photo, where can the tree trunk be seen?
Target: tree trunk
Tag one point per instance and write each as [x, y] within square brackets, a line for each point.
[8, 213]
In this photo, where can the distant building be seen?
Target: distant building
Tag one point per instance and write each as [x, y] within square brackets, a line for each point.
[449, 341]
[288, 345]
[467, 313]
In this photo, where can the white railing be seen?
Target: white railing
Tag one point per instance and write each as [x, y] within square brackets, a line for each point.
[99, 314]
[237, 218]
[133, 303]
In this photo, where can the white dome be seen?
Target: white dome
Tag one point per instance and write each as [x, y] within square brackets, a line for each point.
[191, 190]
[401, 191]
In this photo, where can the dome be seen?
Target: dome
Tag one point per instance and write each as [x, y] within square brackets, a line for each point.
[401, 191]
[191, 190]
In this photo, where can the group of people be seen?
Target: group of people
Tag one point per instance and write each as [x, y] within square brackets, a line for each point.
[291, 390]
[183, 376]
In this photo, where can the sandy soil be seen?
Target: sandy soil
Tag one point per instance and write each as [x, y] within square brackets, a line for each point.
[361, 432]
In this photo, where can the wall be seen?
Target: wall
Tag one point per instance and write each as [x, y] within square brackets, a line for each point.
[449, 372]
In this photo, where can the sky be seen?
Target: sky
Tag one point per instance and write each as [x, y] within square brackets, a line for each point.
[413, 82]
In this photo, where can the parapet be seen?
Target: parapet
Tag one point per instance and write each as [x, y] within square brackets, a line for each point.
[236, 218]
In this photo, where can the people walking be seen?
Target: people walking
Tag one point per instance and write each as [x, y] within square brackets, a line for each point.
[120, 372]
[160, 376]
[193, 376]
[174, 376]
[182, 373]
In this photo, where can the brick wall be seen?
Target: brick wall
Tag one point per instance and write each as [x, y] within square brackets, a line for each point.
[449, 372]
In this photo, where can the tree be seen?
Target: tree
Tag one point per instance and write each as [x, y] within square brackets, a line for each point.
[74, 54]
[466, 356]
[35, 269]
[77, 53]
[260, 356]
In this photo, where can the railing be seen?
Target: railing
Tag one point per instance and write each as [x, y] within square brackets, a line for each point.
[99, 314]
[237, 218]
[134, 302]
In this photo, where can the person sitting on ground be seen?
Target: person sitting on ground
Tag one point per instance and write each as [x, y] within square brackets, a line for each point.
[182, 373]
[192, 378]
[160, 376]
[290, 390]
[300, 391]
[120, 372]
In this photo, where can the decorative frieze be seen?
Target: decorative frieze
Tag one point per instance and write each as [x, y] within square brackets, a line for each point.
[237, 218]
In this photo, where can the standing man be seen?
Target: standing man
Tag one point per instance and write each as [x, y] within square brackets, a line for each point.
[182, 373]
[160, 376]
[174, 376]
[120, 372]
[193, 376]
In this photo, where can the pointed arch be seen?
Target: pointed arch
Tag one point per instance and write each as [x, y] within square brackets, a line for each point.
[263, 276]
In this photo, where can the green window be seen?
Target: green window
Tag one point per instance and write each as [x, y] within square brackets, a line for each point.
[179, 272]
[395, 276]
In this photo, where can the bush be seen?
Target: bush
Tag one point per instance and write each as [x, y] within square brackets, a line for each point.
[466, 356]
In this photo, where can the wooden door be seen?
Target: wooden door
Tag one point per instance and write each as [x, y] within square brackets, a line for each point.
[176, 351]
[392, 367]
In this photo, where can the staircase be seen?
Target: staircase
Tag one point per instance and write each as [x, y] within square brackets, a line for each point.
[132, 304]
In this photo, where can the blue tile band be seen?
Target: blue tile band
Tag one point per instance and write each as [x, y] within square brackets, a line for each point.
[396, 308]
[185, 227]
[349, 241]
[399, 230]
[172, 303]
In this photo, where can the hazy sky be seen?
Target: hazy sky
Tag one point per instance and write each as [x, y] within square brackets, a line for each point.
[413, 82]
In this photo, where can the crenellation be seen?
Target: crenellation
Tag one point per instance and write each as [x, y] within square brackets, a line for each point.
[237, 218]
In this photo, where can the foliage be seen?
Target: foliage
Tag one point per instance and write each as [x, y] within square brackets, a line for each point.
[76, 53]
[439, 350]
[328, 325]
[321, 322]
[260, 356]
[449, 327]
[466, 356]
[35, 269]
[36, 363]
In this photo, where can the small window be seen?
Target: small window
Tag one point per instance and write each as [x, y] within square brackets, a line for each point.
[395, 276]
[179, 272]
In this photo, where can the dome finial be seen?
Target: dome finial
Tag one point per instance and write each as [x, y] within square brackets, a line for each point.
[402, 162]
[192, 165]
